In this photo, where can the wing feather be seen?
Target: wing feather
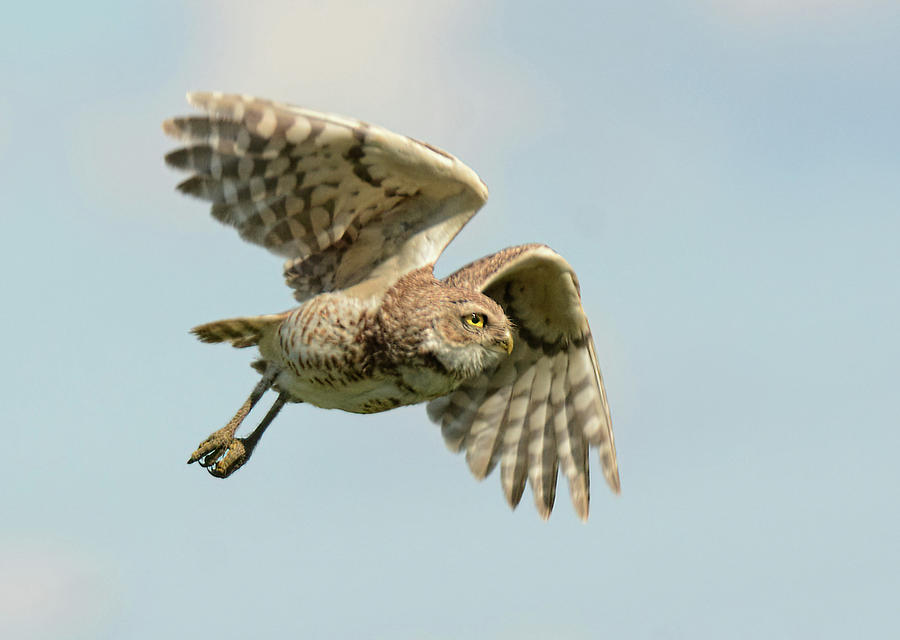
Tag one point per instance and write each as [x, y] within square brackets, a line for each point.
[485, 434]
[570, 433]
[514, 458]
[348, 203]
[542, 463]
[556, 408]
[455, 413]
[601, 436]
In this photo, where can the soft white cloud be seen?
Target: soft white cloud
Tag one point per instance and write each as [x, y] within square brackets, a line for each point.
[403, 63]
[48, 590]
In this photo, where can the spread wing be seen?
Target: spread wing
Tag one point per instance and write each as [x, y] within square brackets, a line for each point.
[348, 203]
[545, 406]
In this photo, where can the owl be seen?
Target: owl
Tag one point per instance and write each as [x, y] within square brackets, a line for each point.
[500, 350]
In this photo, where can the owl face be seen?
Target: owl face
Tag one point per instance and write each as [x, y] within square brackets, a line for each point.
[472, 334]
[423, 319]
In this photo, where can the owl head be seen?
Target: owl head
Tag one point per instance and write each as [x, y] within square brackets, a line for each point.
[461, 329]
[469, 332]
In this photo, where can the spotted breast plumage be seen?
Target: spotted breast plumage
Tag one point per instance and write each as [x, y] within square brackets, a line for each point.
[500, 350]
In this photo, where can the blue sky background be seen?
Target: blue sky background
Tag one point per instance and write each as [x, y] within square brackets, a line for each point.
[723, 175]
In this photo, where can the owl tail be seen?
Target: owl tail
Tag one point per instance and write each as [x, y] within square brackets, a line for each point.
[240, 332]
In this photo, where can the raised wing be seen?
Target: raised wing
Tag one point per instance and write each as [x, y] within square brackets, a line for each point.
[346, 202]
[545, 405]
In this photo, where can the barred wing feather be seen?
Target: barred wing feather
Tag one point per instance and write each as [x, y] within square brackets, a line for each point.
[545, 406]
[347, 203]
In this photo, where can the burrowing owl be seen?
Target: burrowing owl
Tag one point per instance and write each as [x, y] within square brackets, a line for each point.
[501, 349]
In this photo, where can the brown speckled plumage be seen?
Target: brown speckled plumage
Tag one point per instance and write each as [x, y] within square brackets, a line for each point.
[501, 349]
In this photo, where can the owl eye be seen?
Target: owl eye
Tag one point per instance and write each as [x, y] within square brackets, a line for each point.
[474, 319]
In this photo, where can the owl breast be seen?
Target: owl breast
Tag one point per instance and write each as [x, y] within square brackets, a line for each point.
[324, 349]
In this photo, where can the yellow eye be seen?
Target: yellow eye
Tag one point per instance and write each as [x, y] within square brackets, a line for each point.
[474, 320]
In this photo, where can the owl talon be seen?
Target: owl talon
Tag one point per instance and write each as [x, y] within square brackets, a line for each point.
[235, 455]
[212, 457]
[220, 442]
[211, 448]
[221, 454]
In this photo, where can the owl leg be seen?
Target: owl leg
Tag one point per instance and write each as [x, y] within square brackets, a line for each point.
[219, 443]
[240, 449]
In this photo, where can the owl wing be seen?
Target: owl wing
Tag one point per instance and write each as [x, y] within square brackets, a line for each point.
[348, 203]
[544, 406]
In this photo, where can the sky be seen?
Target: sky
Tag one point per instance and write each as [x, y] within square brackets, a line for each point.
[723, 177]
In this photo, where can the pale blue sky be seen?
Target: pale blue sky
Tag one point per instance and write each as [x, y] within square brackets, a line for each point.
[723, 175]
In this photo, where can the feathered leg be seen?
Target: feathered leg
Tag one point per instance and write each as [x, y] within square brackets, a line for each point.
[223, 454]
[242, 448]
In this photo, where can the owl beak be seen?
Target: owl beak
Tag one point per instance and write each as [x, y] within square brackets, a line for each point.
[507, 344]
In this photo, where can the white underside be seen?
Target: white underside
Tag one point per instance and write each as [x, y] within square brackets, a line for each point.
[355, 396]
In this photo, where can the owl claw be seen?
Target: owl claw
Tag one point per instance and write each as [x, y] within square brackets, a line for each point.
[210, 458]
[210, 449]
[221, 454]
[235, 455]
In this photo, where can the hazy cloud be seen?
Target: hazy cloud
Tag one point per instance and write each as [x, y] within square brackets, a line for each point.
[49, 590]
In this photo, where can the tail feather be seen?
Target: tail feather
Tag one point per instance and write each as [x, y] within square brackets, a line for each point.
[240, 332]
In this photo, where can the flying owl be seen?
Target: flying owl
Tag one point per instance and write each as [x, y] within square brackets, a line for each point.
[500, 350]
